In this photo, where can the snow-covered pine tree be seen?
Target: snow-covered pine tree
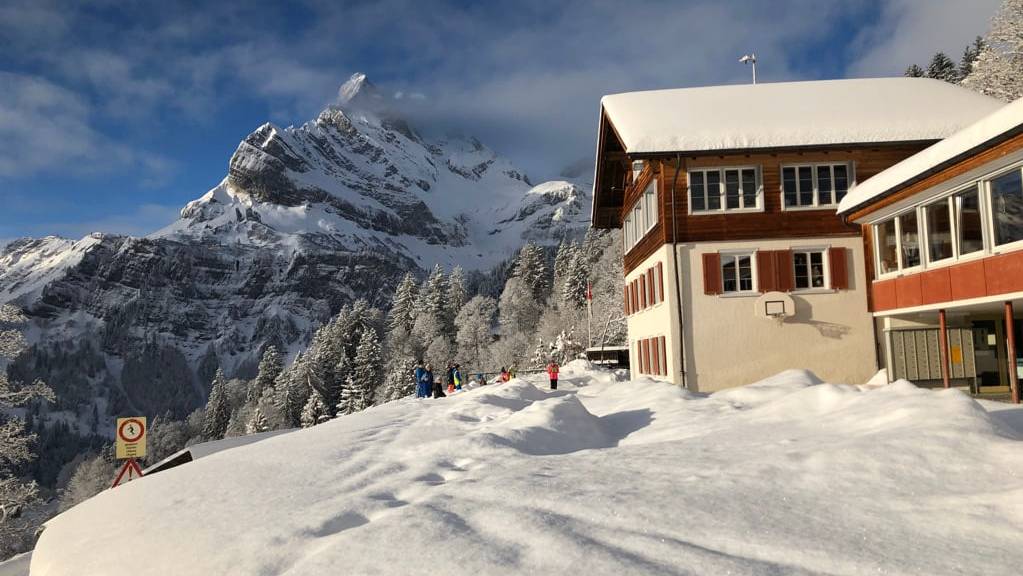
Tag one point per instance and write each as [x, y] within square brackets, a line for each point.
[270, 367]
[914, 71]
[970, 56]
[368, 370]
[457, 293]
[349, 399]
[257, 422]
[475, 322]
[217, 414]
[561, 259]
[434, 293]
[292, 389]
[400, 381]
[314, 411]
[540, 355]
[519, 310]
[531, 269]
[15, 443]
[573, 288]
[403, 307]
[998, 69]
[942, 67]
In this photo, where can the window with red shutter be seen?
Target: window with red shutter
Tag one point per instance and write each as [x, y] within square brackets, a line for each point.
[628, 309]
[786, 279]
[646, 356]
[656, 353]
[712, 273]
[642, 291]
[767, 273]
[660, 282]
[839, 268]
[664, 356]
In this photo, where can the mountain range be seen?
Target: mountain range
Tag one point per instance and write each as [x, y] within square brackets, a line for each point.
[308, 219]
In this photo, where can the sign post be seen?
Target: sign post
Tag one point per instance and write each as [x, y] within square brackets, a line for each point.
[130, 444]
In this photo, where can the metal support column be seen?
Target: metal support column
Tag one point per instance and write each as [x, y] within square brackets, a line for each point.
[1010, 352]
[943, 337]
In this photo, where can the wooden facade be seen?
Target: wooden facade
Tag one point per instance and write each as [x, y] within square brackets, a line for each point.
[772, 222]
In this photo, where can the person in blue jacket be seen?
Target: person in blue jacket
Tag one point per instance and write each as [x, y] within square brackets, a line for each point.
[424, 380]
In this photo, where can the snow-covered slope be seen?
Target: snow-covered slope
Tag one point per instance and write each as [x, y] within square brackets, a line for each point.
[308, 218]
[786, 476]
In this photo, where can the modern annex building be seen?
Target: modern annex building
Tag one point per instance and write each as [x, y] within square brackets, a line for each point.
[945, 233]
[736, 263]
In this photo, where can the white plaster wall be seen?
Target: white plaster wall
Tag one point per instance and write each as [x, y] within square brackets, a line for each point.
[727, 345]
[658, 320]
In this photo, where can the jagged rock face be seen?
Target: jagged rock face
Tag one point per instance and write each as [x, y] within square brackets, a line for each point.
[309, 218]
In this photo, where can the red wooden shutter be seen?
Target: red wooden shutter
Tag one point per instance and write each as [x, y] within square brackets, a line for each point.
[628, 309]
[786, 274]
[664, 357]
[660, 282]
[656, 353]
[651, 294]
[712, 273]
[767, 271]
[839, 268]
[646, 356]
[642, 291]
[635, 296]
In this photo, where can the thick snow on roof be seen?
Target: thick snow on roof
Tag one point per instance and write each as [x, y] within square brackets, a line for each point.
[987, 128]
[787, 114]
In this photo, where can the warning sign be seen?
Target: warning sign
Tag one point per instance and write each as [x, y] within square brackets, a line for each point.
[131, 437]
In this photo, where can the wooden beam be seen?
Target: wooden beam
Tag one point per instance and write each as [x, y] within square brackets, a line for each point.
[1010, 352]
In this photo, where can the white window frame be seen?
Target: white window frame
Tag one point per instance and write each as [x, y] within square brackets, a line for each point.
[825, 268]
[901, 267]
[990, 244]
[925, 226]
[735, 255]
[850, 168]
[643, 216]
[757, 181]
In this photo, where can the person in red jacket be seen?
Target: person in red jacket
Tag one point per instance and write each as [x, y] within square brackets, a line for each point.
[552, 373]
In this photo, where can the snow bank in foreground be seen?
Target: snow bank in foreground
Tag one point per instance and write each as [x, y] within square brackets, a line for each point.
[787, 475]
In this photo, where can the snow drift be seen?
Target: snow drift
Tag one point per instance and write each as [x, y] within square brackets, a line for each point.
[788, 475]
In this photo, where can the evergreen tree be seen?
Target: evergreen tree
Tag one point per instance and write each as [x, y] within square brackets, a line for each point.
[914, 71]
[998, 69]
[531, 269]
[457, 294]
[257, 422]
[270, 367]
[217, 415]
[474, 328]
[942, 67]
[349, 399]
[367, 370]
[400, 381]
[540, 354]
[291, 391]
[573, 288]
[15, 443]
[314, 411]
[970, 56]
[403, 306]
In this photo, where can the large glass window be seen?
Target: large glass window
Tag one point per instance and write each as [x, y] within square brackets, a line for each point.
[939, 230]
[887, 245]
[736, 273]
[969, 224]
[1007, 207]
[809, 269]
[642, 218]
[717, 189]
[909, 240]
[814, 185]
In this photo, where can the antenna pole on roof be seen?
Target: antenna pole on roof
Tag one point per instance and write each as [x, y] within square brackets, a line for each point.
[751, 58]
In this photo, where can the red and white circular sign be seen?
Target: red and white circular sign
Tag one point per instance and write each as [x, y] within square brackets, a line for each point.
[131, 430]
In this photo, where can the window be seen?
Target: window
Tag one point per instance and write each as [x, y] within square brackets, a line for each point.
[809, 269]
[642, 217]
[722, 189]
[969, 224]
[1007, 207]
[814, 185]
[888, 251]
[909, 240]
[736, 273]
[938, 216]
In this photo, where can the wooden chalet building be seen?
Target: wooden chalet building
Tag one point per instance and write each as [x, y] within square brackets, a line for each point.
[736, 263]
[944, 230]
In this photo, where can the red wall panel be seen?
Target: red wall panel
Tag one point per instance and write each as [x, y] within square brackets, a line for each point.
[936, 286]
[908, 292]
[1004, 273]
[884, 295]
[968, 280]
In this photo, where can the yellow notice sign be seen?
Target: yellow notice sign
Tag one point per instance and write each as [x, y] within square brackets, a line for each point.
[131, 437]
[957, 355]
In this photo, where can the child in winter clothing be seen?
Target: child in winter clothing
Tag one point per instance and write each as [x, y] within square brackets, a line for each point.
[456, 376]
[422, 381]
[504, 376]
[438, 391]
[552, 373]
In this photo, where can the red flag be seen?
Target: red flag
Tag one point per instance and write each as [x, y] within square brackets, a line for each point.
[589, 291]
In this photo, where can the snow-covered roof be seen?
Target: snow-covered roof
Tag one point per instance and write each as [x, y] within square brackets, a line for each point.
[787, 114]
[986, 129]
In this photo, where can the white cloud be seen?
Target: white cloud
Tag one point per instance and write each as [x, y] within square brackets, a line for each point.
[911, 31]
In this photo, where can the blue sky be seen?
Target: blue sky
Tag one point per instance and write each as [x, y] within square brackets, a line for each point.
[115, 113]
